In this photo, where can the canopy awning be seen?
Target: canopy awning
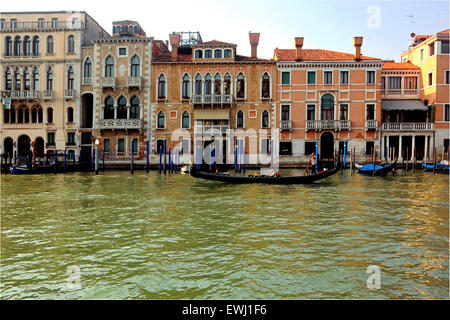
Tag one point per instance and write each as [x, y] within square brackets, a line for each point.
[406, 105]
[214, 114]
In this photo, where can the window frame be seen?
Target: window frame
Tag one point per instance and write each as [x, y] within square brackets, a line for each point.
[325, 72]
[157, 120]
[282, 80]
[183, 118]
[374, 77]
[348, 77]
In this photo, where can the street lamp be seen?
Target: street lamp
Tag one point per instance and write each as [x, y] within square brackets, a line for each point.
[97, 142]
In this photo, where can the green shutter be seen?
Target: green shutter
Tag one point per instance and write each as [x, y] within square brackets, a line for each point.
[311, 77]
[285, 78]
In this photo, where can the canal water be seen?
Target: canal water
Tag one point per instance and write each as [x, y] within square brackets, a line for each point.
[148, 236]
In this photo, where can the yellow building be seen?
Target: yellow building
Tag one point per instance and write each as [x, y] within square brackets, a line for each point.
[41, 55]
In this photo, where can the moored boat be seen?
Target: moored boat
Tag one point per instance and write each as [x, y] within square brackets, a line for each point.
[377, 170]
[440, 167]
[224, 177]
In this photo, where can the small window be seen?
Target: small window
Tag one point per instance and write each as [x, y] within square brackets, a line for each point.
[430, 79]
[41, 23]
[161, 120]
[228, 53]
[310, 148]
[265, 146]
[265, 119]
[285, 77]
[13, 23]
[446, 112]
[431, 49]
[240, 120]
[217, 54]
[186, 120]
[370, 77]
[311, 77]
[51, 138]
[122, 52]
[370, 112]
[71, 44]
[421, 54]
[107, 145]
[344, 77]
[121, 145]
[71, 138]
[447, 77]
[285, 114]
[445, 47]
[49, 115]
[70, 115]
[135, 145]
[208, 54]
[369, 147]
[286, 148]
[54, 23]
[343, 115]
[311, 112]
[198, 54]
[328, 77]
[160, 146]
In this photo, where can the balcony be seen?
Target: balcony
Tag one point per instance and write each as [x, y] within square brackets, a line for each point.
[213, 99]
[21, 55]
[108, 82]
[25, 94]
[134, 82]
[286, 125]
[128, 124]
[328, 125]
[41, 25]
[407, 126]
[211, 130]
[400, 93]
[69, 93]
[49, 94]
[371, 124]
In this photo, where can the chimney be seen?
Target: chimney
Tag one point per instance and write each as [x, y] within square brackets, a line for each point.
[254, 41]
[357, 43]
[174, 42]
[298, 47]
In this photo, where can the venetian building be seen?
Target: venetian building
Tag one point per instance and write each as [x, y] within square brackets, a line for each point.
[40, 72]
[328, 97]
[116, 93]
[207, 89]
[431, 54]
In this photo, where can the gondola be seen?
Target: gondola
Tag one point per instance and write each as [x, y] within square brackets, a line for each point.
[439, 168]
[379, 170]
[223, 177]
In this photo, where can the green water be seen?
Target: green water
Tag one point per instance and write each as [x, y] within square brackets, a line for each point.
[174, 237]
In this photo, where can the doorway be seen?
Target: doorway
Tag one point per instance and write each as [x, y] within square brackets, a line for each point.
[327, 147]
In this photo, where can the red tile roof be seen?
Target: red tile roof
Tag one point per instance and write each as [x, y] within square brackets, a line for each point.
[444, 32]
[390, 65]
[315, 55]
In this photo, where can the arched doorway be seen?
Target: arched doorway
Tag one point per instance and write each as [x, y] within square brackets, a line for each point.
[39, 147]
[23, 146]
[87, 108]
[8, 146]
[327, 146]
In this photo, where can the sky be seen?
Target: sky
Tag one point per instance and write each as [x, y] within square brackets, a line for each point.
[325, 24]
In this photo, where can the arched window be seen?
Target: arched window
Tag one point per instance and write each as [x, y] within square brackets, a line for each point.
[34, 115]
[218, 54]
[135, 109]
[162, 87]
[186, 87]
[240, 120]
[49, 115]
[185, 120]
[265, 86]
[227, 84]
[20, 115]
[17, 46]
[13, 115]
[50, 79]
[87, 70]
[36, 46]
[240, 84]
[26, 79]
[327, 107]
[70, 78]
[109, 108]
[8, 46]
[50, 44]
[265, 119]
[70, 115]
[122, 108]
[208, 79]
[35, 79]
[198, 84]
[71, 44]
[208, 54]
[26, 46]
[217, 85]
[8, 79]
[26, 114]
[161, 120]
[109, 67]
[198, 54]
[228, 53]
[40, 115]
[17, 80]
[135, 66]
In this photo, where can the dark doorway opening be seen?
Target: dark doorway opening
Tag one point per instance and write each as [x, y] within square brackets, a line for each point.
[87, 110]
[327, 147]
[23, 148]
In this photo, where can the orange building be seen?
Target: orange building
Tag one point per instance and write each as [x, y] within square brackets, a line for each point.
[431, 53]
[330, 97]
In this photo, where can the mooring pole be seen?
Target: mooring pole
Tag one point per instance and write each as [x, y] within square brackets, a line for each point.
[56, 159]
[103, 159]
[160, 159]
[165, 156]
[147, 167]
[65, 159]
[132, 156]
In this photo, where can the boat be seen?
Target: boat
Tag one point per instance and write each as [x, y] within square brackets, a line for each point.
[379, 170]
[441, 167]
[185, 170]
[225, 177]
[21, 166]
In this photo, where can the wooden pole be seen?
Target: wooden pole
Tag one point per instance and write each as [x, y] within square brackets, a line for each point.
[434, 160]
[373, 160]
[351, 162]
[407, 159]
[414, 160]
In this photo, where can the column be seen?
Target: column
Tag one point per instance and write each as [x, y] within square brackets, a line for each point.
[400, 158]
[115, 112]
[425, 157]
[128, 112]
[388, 150]
[413, 147]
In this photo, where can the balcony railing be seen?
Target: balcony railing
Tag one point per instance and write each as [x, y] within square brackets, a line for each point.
[371, 124]
[25, 94]
[108, 82]
[213, 99]
[21, 55]
[408, 126]
[134, 81]
[286, 124]
[42, 25]
[212, 130]
[49, 94]
[120, 124]
[328, 125]
[69, 93]
[400, 92]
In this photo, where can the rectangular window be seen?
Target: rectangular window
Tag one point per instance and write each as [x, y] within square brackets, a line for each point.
[286, 148]
[395, 83]
[369, 147]
[446, 112]
[383, 83]
[370, 112]
[51, 138]
[431, 49]
[446, 143]
[13, 23]
[134, 145]
[328, 77]
[285, 113]
[370, 77]
[343, 112]
[447, 77]
[421, 54]
[311, 112]
[430, 79]
[160, 146]
[285, 77]
[265, 146]
[445, 47]
[41, 23]
[344, 77]
[311, 77]
[71, 138]
[121, 145]
[107, 145]
[2, 24]
[122, 51]
[54, 23]
[310, 148]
